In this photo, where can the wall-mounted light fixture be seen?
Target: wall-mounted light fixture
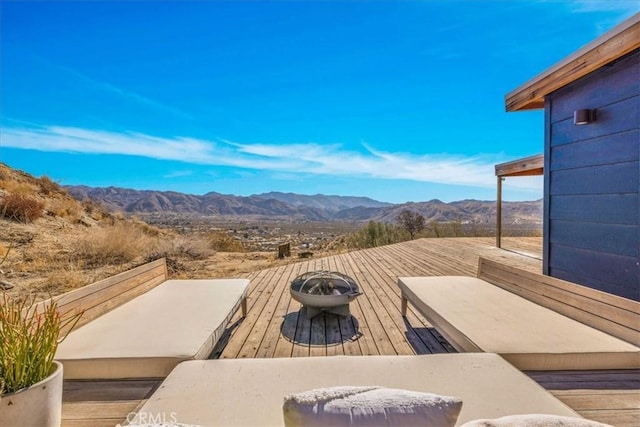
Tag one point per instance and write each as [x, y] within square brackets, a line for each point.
[583, 117]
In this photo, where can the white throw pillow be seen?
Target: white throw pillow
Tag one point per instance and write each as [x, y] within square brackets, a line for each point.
[369, 406]
[534, 420]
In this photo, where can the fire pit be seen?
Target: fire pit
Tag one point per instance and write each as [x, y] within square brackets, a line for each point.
[321, 291]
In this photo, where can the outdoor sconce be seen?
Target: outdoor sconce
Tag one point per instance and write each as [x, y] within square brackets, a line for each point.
[583, 117]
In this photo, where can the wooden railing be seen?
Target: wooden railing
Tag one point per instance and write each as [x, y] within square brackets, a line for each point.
[103, 296]
[609, 313]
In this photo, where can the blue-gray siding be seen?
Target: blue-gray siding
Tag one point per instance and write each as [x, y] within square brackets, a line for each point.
[592, 181]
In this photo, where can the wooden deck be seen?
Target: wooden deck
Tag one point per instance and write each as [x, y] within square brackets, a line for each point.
[275, 326]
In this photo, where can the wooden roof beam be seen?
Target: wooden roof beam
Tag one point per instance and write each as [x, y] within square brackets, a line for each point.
[533, 165]
[610, 46]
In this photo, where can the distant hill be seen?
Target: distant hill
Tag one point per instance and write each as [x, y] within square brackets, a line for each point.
[318, 207]
[149, 201]
[331, 204]
[469, 211]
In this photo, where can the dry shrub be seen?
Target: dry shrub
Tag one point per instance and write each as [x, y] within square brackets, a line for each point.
[115, 244]
[4, 252]
[92, 208]
[151, 230]
[65, 208]
[21, 208]
[46, 259]
[19, 187]
[19, 237]
[48, 187]
[192, 248]
[33, 261]
[63, 280]
[224, 242]
[95, 210]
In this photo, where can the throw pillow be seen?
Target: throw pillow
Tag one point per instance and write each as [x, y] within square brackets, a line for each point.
[369, 406]
[534, 420]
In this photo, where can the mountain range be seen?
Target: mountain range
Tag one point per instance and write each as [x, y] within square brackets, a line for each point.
[298, 207]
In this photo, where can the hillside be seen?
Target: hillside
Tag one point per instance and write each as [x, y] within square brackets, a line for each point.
[51, 243]
[298, 207]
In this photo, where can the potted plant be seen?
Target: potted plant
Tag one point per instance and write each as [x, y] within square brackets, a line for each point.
[30, 380]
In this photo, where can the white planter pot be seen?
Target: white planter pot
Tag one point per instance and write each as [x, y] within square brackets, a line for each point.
[39, 405]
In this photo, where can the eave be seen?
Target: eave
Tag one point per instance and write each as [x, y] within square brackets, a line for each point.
[527, 166]
[612, 45]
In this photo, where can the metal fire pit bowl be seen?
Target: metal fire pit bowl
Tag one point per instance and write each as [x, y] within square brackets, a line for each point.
[321, 291]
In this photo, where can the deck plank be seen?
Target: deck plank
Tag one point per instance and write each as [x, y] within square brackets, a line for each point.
[259, 295]
[373, 331]
[107, 410]
[387, 309]
[277, 313]
[608, 396]
[356, 335]
[103, 403]
[261, 319]
[588, 400]
[286, 339]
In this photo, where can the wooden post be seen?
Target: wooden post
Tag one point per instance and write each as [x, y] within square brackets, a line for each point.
[284, 250]
[499, 214]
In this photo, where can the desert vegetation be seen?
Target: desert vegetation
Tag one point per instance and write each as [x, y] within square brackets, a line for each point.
[411, 225]
[22, 208]
[50, 243]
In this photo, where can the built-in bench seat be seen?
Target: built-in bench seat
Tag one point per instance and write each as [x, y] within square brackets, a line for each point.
[529, 319]
[151, 323]
[250, 392]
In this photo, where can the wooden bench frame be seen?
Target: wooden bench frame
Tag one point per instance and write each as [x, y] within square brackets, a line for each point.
[614, 315]
[611, 314]
[100, 297]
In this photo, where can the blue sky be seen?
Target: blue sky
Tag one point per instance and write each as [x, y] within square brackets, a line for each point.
[398, 101]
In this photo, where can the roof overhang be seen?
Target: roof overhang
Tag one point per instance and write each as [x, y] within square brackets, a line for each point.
[527, 166]
[612, 45]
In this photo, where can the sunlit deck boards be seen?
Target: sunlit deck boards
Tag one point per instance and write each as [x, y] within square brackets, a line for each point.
[609, 396]
[276, 327]
[103, 403]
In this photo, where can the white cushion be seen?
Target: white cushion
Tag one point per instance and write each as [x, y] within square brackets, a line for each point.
[148, 336]
[475, 315]
[207, 392]
[369, 406]
[534, 420]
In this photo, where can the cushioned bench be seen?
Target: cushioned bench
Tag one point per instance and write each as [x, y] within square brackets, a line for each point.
[250, 392]
[149, 335]
[475, 315]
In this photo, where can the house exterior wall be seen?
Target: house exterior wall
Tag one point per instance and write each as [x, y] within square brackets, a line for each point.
[592, 180]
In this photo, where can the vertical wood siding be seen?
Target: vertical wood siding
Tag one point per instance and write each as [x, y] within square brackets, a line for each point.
[592, 181]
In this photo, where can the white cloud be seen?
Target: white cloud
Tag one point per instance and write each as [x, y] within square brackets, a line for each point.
[308, 158]
[178, 174]
[79, 78]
